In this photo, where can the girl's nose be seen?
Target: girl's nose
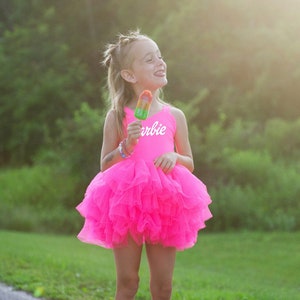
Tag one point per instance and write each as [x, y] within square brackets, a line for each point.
[160, 61]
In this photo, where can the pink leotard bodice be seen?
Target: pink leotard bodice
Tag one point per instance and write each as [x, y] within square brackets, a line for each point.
[158, 133]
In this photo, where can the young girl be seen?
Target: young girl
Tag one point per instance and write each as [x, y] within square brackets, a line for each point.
[145, 193]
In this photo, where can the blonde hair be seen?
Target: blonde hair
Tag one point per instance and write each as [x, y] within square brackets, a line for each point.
[115, 59]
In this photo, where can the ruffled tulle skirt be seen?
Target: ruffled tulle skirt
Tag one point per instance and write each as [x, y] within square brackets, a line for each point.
[135, 198]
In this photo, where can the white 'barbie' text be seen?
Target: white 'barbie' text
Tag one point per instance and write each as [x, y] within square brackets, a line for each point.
[156, 129]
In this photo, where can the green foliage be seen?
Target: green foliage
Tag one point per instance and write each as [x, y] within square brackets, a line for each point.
[83, 132]
[43, 197]
[232, 68]
[233, 207]
[251, 178]
[39, 83]
[49, 54]
[38, 199]
[282, 139]
[249, 69]
[277, 140]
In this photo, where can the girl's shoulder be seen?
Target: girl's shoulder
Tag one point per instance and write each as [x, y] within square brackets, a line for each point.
[111, 115]
[177, 113]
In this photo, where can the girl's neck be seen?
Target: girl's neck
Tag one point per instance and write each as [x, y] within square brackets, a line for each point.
[156, 105]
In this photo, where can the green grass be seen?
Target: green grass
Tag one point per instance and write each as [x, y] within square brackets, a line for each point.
[225, 266]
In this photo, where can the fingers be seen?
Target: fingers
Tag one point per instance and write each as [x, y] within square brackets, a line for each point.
[134, 132]
[166, 162]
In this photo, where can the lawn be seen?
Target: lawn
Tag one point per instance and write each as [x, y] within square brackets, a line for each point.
[223, 266]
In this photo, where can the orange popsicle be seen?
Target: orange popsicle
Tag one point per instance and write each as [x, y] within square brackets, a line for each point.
[143, 106]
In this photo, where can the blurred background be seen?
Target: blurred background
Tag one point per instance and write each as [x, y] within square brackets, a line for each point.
[233, 68]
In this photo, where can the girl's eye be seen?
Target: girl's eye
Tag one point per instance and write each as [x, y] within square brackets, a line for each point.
[150, 59]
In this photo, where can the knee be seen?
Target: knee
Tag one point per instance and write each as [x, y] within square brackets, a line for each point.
[128, 286]
[161, 290]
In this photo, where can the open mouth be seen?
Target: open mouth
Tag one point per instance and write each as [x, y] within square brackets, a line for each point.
[160, 73]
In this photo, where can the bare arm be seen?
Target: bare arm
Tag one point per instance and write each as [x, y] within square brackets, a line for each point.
[183, 154]
[182, 143]
[110, 154]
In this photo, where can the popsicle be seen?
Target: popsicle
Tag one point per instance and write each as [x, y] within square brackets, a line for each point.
[143, 105]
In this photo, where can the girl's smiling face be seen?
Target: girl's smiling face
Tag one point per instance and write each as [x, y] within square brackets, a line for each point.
[148, 69]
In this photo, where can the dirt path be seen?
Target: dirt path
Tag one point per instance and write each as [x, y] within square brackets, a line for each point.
[8, 293]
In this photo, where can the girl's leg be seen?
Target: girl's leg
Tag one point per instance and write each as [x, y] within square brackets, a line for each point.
[127, 260]
[161, 263]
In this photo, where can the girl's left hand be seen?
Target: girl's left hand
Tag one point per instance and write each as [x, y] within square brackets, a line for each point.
[166, 162]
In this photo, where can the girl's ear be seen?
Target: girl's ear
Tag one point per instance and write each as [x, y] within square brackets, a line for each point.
[128, 76]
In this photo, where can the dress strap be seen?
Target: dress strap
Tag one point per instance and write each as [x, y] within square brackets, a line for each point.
[166, 108]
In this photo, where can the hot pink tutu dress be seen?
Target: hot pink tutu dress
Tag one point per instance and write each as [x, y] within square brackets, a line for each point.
[135, 198]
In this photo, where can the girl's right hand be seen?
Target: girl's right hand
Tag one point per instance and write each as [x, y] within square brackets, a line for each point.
[133, 134]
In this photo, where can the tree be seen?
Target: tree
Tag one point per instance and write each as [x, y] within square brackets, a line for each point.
[39, 83]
